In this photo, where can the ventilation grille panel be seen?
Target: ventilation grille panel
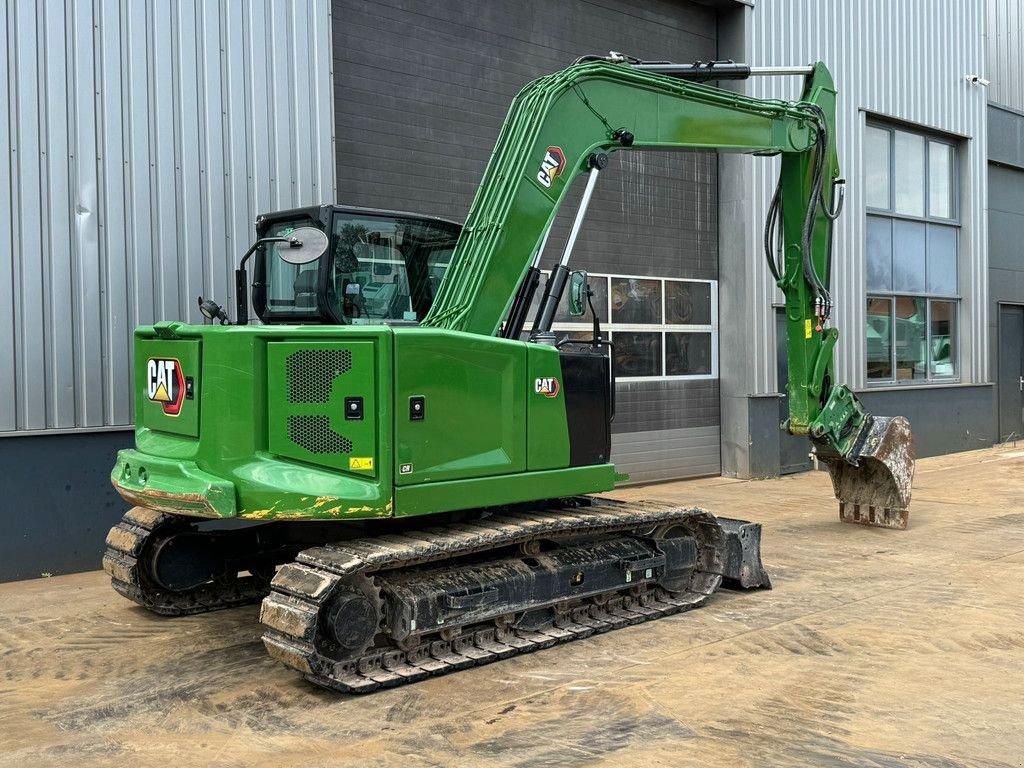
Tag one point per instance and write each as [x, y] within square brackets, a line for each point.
[314, 433]
[311, 374]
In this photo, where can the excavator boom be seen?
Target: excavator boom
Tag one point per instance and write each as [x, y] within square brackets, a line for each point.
[556, 128]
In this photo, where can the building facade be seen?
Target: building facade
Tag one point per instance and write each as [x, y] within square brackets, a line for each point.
[144, 144]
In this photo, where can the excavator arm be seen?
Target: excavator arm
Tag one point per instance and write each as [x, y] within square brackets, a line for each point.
[563, 125]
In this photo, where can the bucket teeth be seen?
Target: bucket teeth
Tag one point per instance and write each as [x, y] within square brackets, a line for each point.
[882, 517]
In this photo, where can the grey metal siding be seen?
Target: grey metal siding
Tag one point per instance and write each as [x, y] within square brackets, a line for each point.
[1005, 52]
[421, 93]
[936, 43]
[143, 140]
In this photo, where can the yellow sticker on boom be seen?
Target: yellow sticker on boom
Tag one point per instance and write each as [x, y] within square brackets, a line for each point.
[354, 463]
[807, 328]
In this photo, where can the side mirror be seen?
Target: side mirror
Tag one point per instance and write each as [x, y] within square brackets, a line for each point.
[306, 244]
[579, 288]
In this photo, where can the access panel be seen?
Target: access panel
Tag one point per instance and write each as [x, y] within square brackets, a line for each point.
[460, 406]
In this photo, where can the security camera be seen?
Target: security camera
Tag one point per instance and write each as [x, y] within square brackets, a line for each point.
[977, 80]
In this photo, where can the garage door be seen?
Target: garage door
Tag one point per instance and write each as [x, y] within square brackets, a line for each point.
[421, 91]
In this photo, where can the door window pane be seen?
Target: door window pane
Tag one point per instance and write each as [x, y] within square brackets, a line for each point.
[942, 260]
[876, 167]
[943, 339]
[879, 254]
[940, 180]
[636, 301]
[637, 354]
[879, 338]
[908, 153]
[687, 354]
[909, 337]
[908, 255]
[687, 303]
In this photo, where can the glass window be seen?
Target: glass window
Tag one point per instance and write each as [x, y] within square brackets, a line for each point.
[909, 337]
[687, 303]
[940, 180]
[659, 327]
[637, 354]
[291, 288]
[908, 256]
[387, 267]
[942, 339]
[636, 301]
[879, 254]
[687, 354]
[942, 267]
[911, 259]
[879, 337]
[876, 167]
[908, 173]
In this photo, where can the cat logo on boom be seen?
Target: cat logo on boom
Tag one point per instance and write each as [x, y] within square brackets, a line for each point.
[551, 166]
[166, 384]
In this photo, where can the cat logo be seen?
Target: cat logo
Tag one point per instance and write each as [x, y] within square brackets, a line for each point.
[547, 386]
[552, 165]
[165, 384]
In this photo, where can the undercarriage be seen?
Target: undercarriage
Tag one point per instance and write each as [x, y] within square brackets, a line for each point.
[379, 610]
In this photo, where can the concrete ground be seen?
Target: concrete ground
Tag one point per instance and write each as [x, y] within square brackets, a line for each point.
[876, 648]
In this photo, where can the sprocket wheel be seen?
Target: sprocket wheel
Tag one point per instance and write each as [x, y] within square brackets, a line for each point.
[351, 619]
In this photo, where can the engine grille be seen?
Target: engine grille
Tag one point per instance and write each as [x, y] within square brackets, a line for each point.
[314, 433]
[311, 373]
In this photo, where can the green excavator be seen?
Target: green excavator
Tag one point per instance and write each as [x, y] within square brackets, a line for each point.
[403, 471]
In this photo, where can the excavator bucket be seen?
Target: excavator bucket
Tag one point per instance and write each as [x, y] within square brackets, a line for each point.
[876, 489]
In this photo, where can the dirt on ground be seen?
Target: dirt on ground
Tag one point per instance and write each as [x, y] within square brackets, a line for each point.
[876, 648]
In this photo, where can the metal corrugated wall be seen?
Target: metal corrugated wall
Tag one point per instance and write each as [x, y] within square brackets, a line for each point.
[900, 59]
[1005, 53]
[141, 140]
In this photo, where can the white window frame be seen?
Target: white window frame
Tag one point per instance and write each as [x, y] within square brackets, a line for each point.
[608, 328]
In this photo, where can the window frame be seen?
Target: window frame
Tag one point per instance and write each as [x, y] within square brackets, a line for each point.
[609, 328]
[954, 222]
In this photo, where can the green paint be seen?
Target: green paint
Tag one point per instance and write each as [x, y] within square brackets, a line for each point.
[547, 428]
[503, 489]
[474, 389]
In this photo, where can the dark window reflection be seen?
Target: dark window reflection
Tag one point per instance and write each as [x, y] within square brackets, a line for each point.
[687, 354]
[636, 301]
[687, 303]
[637, 354]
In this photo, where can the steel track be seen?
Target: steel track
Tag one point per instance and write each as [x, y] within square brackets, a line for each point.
[128, 544]
[300, 590]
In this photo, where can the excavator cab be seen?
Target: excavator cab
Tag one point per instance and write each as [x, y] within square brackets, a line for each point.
[378, 267]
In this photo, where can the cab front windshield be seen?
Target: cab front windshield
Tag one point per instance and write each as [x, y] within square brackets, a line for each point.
[386, 268]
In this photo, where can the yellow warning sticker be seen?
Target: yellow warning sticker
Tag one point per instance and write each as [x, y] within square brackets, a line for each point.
[807, 328]
[363, 463]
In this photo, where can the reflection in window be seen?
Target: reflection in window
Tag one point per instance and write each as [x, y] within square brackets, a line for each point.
[659, 327]
[687, 303]
[636, 301]
[909, 338]
[942, 339]
[637, 354]
[879, 338]
[687, 354]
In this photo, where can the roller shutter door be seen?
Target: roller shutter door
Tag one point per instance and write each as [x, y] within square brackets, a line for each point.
[421, 90]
